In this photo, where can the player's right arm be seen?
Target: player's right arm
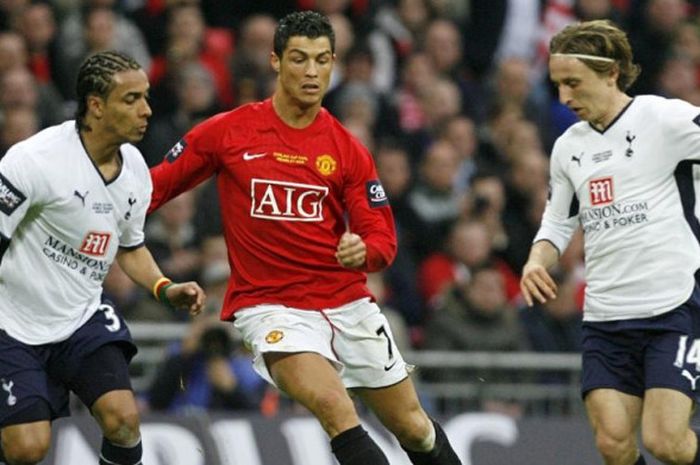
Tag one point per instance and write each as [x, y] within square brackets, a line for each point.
[187, 164]
[19, 188]
[558, 224]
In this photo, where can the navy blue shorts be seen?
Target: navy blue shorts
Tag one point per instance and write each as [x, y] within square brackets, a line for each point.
[632, 356]
[38, 378]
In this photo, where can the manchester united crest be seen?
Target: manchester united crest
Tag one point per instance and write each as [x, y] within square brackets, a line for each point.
[274, 336]
[326, 165]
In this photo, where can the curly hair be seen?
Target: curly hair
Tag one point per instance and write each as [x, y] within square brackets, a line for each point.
[96, 77]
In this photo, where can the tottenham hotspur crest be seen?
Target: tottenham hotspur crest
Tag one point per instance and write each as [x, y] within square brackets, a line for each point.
[629, 138]
[7, 387]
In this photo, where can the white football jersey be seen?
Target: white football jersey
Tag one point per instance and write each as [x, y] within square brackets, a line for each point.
[65, 224]
[631, 189]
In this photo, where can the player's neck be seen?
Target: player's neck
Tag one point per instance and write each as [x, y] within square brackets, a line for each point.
[618, 103]
[292, 114]
[104, 153]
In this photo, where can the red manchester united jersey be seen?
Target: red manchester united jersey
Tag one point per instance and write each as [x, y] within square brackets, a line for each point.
[287, 195]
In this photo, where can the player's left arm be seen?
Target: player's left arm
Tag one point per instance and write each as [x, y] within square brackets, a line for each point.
[370, 243]
[681, 122]
[139, 265]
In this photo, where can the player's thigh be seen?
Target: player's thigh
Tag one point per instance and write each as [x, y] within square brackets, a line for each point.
[308, 378]
[666, 414]
[398, 408]
[614, 414]
[102, 371]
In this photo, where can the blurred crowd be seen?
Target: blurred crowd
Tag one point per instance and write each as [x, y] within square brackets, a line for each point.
[451, 97]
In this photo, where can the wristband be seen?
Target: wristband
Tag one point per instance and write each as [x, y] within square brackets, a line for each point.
[162, 296]
[159, 285]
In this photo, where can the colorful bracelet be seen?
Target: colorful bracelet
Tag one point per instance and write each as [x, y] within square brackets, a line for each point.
[159, 285]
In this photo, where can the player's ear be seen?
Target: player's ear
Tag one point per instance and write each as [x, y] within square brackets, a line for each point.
[275, 62]
[95, 106]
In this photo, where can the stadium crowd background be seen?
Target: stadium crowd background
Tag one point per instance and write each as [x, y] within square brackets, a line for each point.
[451, 97]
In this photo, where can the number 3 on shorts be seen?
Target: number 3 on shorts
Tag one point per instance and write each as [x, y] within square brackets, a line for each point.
[692, 355]
[113, 324]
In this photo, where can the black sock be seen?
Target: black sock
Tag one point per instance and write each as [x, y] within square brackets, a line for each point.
[640, 460]
[442, 453]
[355, 447]
[116, 455]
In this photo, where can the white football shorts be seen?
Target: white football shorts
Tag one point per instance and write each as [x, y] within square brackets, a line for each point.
[355, 338]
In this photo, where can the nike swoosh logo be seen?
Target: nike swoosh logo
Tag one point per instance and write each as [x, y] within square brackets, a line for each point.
[387, 368]
[252, 156]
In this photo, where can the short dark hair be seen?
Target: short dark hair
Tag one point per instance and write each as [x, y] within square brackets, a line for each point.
[302, 23]
[96, 77]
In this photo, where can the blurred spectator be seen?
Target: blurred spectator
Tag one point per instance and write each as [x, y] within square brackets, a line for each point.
[652, 24]
[512, 86]
[393, 167]
[474, 316]
[172, 238]
[38, 28]
[527, 188]
[460, 131]
[16, 124]
[79, 35]
[10, 11]
[250, 65]
[416, 76]
[208, 370]
[443, 45]
[433, 200]
[13, 52]
[486, 203]
[344, 42]
[556, 325]
[195, 92]
[186, 44]
[678, 79]
[19, 88]
[355, 96]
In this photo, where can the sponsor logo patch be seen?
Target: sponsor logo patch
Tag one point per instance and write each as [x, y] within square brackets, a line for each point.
[601, 191]
[375, 194]
[326, 165]
[175, 152]
[286, 201]
[95, 243]
[10, 196]
[274, 336]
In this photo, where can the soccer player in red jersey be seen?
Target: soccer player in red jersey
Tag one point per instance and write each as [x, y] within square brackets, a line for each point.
[305, 217]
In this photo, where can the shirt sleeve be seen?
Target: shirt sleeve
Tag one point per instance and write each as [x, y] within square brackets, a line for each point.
[132, 236]
[681, 121]
[19, 189]
[368, 207]
[560, 216]
[187, 164]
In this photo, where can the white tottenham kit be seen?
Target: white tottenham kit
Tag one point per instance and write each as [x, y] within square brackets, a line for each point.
[631, 189]
[66, 224]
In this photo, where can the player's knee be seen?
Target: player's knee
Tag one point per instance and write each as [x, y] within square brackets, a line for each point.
[26, 450]
[664, 447]
[611, 445]
[413, 429]
[333, 408]
[121, 427]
